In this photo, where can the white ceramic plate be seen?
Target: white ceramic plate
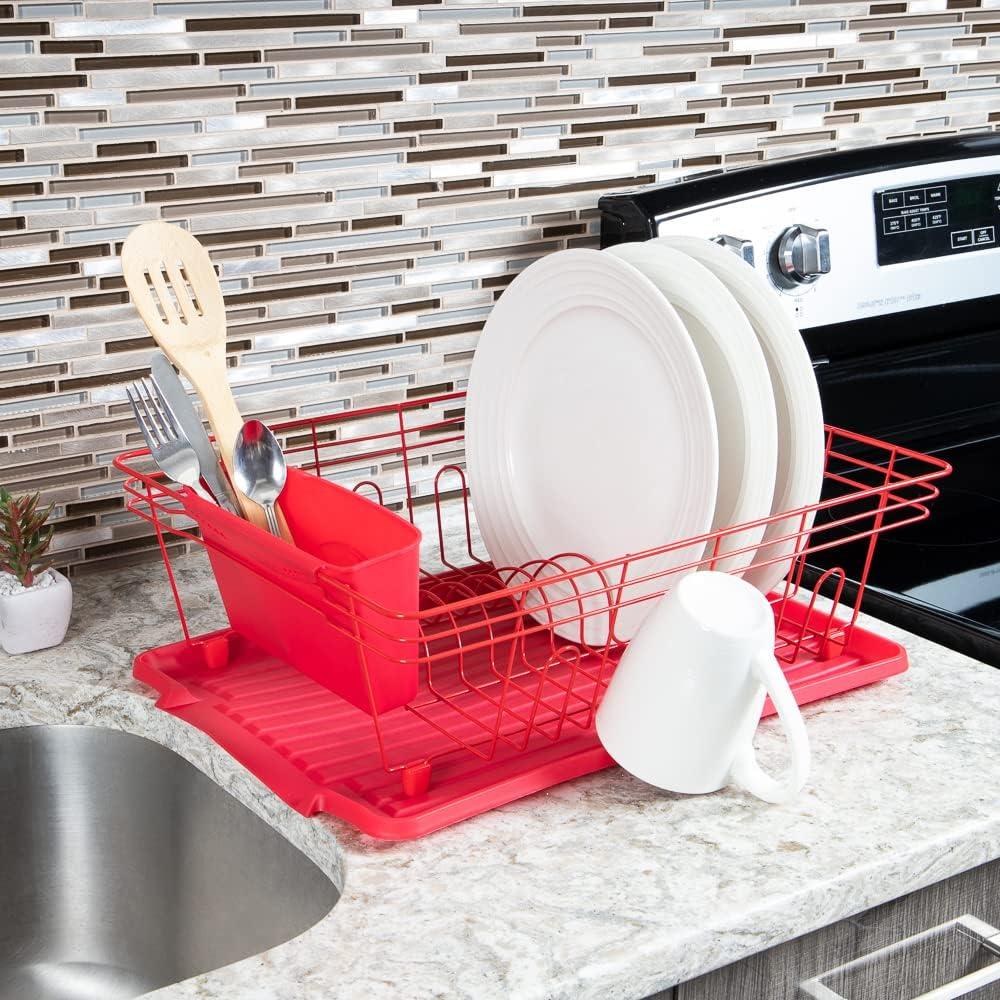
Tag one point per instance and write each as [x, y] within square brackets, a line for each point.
[801, 439]
[741, 391]
[589, 429]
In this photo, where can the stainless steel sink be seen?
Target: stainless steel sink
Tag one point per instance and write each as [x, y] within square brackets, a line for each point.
[123, 869]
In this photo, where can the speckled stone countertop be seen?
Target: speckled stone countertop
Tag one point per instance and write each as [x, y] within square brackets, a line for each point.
[599, 888]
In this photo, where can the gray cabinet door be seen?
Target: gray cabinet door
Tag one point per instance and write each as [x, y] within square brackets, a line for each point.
[776, 974]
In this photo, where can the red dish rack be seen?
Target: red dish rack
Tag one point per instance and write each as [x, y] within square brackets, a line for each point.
[504, 702]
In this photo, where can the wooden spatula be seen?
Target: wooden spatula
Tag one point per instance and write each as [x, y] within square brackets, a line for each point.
[175, 289]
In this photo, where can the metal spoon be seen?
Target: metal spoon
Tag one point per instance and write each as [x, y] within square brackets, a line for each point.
[259, 469]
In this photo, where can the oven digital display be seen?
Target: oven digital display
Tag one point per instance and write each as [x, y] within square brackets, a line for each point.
[937, 219]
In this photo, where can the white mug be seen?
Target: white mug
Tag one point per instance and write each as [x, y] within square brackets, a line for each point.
[683, 704]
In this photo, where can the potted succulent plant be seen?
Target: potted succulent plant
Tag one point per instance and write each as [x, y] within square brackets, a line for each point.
[35, 600]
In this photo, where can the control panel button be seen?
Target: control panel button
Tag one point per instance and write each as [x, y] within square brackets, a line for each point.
[915, 197]
[893, 225]
[961, 239]
[892, 199]
[916, 222]
[936, 195]
[983, 235]
[938, 218]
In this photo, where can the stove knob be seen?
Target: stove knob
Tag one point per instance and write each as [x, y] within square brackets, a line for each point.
[801, 255]
[742, 248]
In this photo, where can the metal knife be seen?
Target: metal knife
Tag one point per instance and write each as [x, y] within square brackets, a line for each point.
[189, 423]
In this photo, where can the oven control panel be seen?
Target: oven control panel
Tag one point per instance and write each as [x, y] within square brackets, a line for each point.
[859, 245]
[956, 216]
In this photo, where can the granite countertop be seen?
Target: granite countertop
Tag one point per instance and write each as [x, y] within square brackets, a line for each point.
[599, 888]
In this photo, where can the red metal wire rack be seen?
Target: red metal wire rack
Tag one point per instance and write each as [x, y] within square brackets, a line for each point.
[509, 672]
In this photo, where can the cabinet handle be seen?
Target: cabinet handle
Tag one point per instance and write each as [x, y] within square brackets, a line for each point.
[975, 933]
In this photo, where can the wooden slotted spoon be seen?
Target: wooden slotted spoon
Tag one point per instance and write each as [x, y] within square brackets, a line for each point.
[175, 289]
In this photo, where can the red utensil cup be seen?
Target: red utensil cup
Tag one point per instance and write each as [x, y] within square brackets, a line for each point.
[308, 603]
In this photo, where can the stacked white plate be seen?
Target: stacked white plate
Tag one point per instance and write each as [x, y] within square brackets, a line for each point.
[799, 412]
[626, 400]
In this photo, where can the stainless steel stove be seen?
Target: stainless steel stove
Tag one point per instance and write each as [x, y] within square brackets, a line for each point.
[889, 261]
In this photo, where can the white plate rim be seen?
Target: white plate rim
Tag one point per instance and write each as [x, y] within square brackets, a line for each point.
[505, 537]
[692, 288]
[802, 438]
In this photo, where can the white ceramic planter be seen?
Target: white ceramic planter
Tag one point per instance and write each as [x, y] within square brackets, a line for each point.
[36, 618]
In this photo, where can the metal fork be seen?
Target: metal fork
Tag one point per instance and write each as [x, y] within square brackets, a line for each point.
[170, 450]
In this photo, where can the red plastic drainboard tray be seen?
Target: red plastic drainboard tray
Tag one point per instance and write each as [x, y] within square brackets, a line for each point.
[320, 754]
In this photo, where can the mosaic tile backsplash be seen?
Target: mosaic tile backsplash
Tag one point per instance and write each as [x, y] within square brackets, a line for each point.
[370, 174]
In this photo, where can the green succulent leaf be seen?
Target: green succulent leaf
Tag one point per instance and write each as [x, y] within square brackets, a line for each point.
[25, 535]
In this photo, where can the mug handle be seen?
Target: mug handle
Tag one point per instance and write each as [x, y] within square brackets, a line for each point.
[746, 771]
